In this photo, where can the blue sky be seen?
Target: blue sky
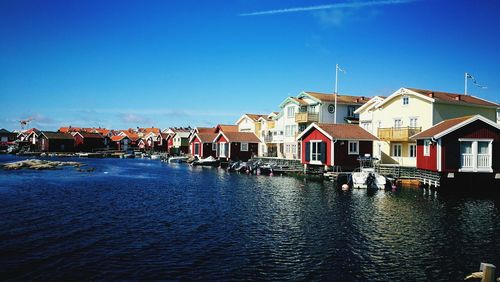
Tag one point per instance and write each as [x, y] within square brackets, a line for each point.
[121, 64]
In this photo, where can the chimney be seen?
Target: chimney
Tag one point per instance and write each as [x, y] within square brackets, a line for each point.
[431, 94]
[458, 97]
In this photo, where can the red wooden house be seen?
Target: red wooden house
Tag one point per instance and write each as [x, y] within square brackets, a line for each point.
[56, 142]
[236, 146]
[461, 150]
[88, 142]
[201, 145]
[120, 142]
[329, 145]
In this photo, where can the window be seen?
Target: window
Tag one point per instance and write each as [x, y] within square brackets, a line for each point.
[398, 123]
[366, 125]
[290, 112]
[222, 149]
[287, 148]
[476, 155]
[413, 122]
[396, 150]
[244, 147]
[350, 111]
[214, 146]
[294, 149]
[427, 148]
[288, 130]
[196, 148]
[412, 150]
[315, 151]
[406, 100]
[353, 147]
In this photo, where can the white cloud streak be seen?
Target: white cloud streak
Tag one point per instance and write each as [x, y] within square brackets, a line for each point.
[358, 4]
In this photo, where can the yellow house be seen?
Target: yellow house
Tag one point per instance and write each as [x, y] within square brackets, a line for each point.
[408, 111]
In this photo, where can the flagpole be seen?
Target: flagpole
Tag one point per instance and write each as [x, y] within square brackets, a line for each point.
[335, 93]
[465, 83]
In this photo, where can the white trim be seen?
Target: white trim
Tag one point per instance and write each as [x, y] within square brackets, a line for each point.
[311, 161]
[475, 139]
[332, 158]
[241, 146]
[349, 148]
[317, 127]
[369, 104]
[438, 157]
[400, 151]
[457, 126]
[404, 91]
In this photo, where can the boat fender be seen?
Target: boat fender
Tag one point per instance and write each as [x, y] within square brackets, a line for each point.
[345, 187]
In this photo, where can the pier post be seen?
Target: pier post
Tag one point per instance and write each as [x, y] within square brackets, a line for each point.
[488, 270]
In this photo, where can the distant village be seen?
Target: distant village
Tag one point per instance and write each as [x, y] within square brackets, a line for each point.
[445, 133]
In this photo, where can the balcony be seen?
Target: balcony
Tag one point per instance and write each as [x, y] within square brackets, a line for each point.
[400, 134]
[306, 117]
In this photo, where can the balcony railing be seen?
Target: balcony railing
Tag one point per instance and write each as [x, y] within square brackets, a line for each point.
[467, 160]
[483, 161]
[306, 117]
[398, 133]
[273, 138]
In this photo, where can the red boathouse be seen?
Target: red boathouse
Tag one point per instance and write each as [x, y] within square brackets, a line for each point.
[462, 151]
[334, 145]
[236, 146]
[201, 145]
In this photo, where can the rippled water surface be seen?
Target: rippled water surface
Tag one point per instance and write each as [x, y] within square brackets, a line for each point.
[141, 219]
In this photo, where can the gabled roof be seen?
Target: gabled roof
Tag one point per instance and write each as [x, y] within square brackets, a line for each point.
[118, 137]
[244, 137]
[447, 126]
[3, 130]
[253, 117]
[205, 137]
[51, 135]
[340, 131]
[204, 129]
[373, 102]
[341, 99]
[182, 134]
[441, 97]
[226, 128]
[149, 130]
[293, 100]
[91, 135]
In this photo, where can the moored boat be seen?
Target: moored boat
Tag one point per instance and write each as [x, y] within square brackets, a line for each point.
[366, 177]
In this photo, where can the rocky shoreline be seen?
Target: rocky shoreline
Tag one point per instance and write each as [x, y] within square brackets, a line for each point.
[41, 165]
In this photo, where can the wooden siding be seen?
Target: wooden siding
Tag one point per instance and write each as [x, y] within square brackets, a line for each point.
[350, 162]
[450, 146]
[315, 134]
[426, 162]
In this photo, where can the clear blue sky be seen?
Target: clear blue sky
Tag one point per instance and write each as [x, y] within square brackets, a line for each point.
[123, 64]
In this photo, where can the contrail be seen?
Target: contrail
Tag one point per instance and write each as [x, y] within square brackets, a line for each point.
[328, 6]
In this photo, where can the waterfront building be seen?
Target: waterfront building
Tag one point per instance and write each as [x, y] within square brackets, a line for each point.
[7, 138]
[334, 145]
[201, 143]
[50, 141]
[88, 142]
[236, 146]
[464, 150]
[120, 142]
[408, 111]
[299, 112]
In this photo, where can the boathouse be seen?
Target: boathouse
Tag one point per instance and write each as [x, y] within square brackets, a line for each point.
[56, 142]
[461, 151]
[88, 142]
[334, 145]
[201, 145]
[120, 142]
[236, 146]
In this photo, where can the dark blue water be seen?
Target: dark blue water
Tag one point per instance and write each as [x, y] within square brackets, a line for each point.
[141, 219]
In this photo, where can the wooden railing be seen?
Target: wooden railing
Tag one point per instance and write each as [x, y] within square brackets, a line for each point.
[397, 133]
[306, 117]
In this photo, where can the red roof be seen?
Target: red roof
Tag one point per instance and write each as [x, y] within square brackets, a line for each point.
[206, 137]
[241, 137]
[205, 129]
[226, 128]
[118, 137]
[91, 135]
[341, 99]
[344, 131]
[440, 127]
[255, 117]
[454, 98]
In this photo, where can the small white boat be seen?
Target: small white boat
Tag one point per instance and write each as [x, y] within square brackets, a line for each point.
[366, 177]
[155, 157]
[208, 161]
[177, 159]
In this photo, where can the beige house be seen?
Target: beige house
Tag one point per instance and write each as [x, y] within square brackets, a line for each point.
[408, 111]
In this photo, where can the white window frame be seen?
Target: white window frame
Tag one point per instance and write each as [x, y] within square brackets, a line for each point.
[290, 112]
[427, 148]
[407, 100]
[222, 149]
[410, 146]
[244, 147]
[413, 124]
[393, 150]
[398, 124]
[349, 148]
[474, 149]
[194, 148]
[315, 158]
